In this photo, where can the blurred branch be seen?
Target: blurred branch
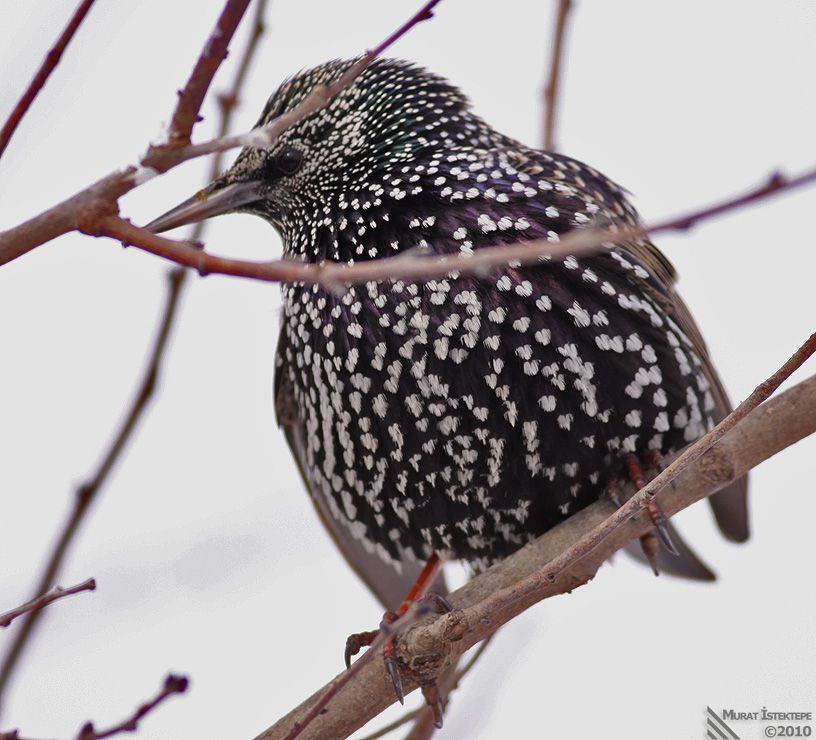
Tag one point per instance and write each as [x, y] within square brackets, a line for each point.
[46, 68]
[415, 266]
[48, 597]
[147, 384]
[173, 684]
[86, 210]
[553, 88]
[86, 493]
[569, 555]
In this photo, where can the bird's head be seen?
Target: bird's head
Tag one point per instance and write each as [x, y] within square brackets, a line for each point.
[392, 117]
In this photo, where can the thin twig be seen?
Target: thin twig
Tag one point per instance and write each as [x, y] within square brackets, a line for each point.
[48, 597]
[334, 275]
[215, 51]
[553, 88]
[162, 157]
[86, 493]
[395, 725]
[46, 68]
[173, 684]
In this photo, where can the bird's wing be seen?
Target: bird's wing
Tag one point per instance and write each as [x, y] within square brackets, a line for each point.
[388, 584]
[731, 504]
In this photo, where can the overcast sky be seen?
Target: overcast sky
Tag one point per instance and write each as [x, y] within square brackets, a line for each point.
[208, 555]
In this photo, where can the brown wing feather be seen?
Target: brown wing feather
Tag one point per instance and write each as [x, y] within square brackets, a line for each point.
[730, 505]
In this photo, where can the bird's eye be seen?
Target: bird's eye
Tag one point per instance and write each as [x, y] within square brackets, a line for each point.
[289, 160]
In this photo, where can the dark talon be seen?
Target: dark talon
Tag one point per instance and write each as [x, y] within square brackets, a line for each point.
[434, 701]
[356, 642]
[659, 520]
[393, 671]
[434, 603]
[648, 543]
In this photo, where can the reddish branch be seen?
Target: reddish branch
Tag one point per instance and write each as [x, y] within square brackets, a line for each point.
[162, 158]
[553, 87]
[414, 266]
[46, 68]
[40, 601]
[86, 493]
[215, 52]
[173, 684]
[147, 384]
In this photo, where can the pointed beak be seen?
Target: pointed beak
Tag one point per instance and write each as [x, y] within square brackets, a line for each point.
[213, 200]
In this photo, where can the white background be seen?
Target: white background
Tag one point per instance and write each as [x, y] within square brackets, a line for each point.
[208, 556]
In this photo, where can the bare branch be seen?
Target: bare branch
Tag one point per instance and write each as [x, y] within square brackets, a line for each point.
[86, 493]
[552, 88]
[413, 266]
[163, 158]
[568, 555]
[213, 54]
[173, 684]
[147, 384]
[50, 596]
[46, 68]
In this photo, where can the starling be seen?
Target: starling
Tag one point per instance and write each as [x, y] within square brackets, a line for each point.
[470, 413]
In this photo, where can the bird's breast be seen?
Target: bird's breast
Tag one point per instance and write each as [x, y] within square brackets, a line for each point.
[475, 413]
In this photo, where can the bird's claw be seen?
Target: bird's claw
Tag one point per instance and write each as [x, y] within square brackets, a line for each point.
[356, 642]
[393, 671]
[433, 699]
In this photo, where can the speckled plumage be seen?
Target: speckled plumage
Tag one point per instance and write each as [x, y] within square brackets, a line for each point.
[468, 413]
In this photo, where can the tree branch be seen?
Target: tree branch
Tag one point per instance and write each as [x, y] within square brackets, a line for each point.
[559, 561]
[147, 384]
[173, 684]
[86, 493]
[214, 53]
[415, 266]
[43, 73]
[48, 597]
[552, 88]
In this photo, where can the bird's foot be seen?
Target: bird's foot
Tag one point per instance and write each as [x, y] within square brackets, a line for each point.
[650, 541]
[430, 603]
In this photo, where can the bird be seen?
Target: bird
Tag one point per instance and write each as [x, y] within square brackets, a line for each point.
[471, 413]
